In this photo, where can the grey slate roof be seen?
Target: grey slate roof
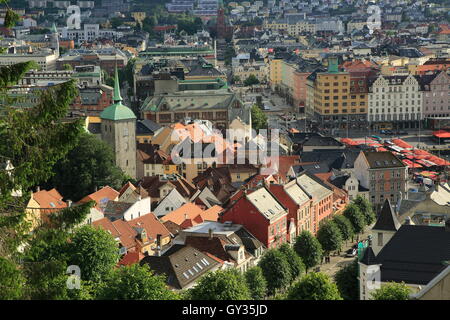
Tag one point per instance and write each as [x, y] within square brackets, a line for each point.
[387, 220]
[415, 254]
[368, 257]
[178, 265]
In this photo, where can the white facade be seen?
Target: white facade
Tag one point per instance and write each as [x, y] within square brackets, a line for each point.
[138, 209]
[171, 202]
[89, 33]
[395, 98]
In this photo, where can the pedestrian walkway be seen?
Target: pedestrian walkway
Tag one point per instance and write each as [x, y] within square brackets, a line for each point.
[337, 262]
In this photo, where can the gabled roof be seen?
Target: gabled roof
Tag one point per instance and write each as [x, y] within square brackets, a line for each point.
[387, 220]
[181, 264]
[49, 199]
[101, 197]
[266, 203]
[415, 254]
[368, 257]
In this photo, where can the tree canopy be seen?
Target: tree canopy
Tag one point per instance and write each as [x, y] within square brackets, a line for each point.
[226, 284]
[295, 262]
[346, 280]
[309, 249]
[314, 286]
[256, 283]
[89, 165]
[135, 282]
[276, 270]
[329, 236]
[259, 118]
[345, 226]
[366, 209]
[353, 213]
[251, 80]
[392, 291]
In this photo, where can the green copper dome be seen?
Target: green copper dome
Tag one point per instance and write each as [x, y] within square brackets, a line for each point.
[117, 111]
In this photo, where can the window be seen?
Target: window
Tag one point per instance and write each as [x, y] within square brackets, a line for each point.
[380, 239]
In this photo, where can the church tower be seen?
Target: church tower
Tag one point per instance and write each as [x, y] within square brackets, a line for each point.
[118, 129]
[55, 40]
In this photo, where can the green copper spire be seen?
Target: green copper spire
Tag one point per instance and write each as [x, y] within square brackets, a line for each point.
[117, 97]
[54, 30]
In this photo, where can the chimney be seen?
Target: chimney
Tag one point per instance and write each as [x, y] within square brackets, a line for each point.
[38, 188]
[69, 203]
[158, 245]
[210, 234]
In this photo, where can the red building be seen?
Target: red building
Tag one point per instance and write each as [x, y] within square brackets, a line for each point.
[299, 206]
[261, 214]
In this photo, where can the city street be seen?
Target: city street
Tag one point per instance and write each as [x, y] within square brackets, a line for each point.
[337, 262]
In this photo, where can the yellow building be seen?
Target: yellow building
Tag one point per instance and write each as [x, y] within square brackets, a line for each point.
[340, 101]
[275, 74]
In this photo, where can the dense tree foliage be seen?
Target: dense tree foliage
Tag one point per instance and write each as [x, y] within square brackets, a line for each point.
[259, 118]
[89, 165]
[251, 80]
[353, 213]
[95, 251]
[366, 209]
[392, 291]
[12, 282]
[276, 270]
[295, 262]
[135, 282]
[314, 286]
[309, 249]
[329, 236]
[256, 283]
[227, 284]
[345, 226]
[346, 280]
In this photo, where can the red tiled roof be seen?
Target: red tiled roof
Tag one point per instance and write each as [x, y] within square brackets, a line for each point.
[190, 214]
[101, 197]
[49, 199]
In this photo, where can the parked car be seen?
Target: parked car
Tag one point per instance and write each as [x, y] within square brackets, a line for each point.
[402, 132]
[350, 253]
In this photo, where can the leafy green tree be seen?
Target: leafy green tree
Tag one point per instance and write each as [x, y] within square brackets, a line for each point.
[95, 251]
[88, 165]
[392, 291]
[345, 226]
[259, 118]
[329, 236]
[366, 209]
[251, 80]
[135, 282]
[309, 249]
[295, 262]
[12, 281]
[67, 66]
[346, 280]
[221, 285]
[355, 216]
[33, 140]
[256, 283]
[115, 22]
[276, 270]
[314, 286]
[235, 79]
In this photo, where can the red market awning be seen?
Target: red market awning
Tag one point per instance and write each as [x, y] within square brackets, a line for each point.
[441, 134]
[402, 144]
